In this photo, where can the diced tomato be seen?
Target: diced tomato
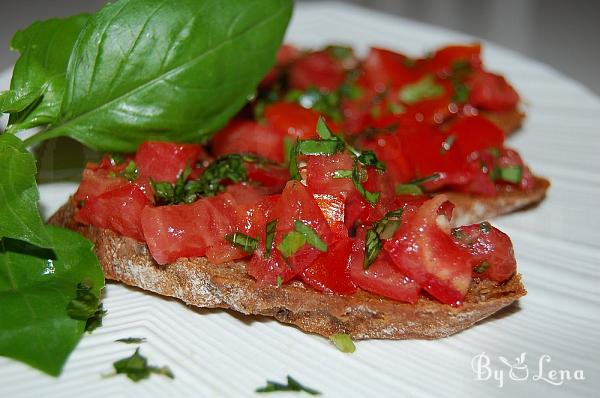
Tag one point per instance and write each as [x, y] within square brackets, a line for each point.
[285, 56]
[248, 136]
[295, 204]
[317, 69]
[510, 157]
[320, 171]
[272, 178]
[330, 272]
[492, 251]
[382, 277]
[96, 182]
[491, 92]
[359, 211]
[188, 230]
[244, 194]
[119, 210]
[163, 161]
[475, 133]
[426, 252]
[384, 68]
[388, 148]
[444, 58]
[333, 207]
[292, 120]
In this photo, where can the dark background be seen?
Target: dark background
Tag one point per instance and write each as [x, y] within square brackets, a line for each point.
[562, 33]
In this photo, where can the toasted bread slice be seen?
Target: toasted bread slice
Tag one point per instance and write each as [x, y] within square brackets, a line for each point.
[362, 315]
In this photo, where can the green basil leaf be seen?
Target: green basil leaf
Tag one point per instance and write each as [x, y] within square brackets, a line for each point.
[292, 385]
[19, 195]
[131, 340]
[408, 189]
[384, 228]
[343, 342]
[371, 197]
[136, 367]
[245, 242]
[38, 80]
[312, 238]
[166, 69]
[482, 267]
[512, 174]
[270, 236]
[293, 161]
[36, 287]
[323, 130]
[424, 89]
[291, 243]
[320, 147]
[368, 158]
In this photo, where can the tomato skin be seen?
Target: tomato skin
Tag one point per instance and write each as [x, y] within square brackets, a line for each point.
[317, 69]
[285, 56]
[187, 230]
[382, 277]
[330, 272]
[163, 161]
[475, 133]
[272, 178]
[292, 120]
[445, 57]
[489, 244]
[96, 182]
[248, 136]
[388, 148]
[320, 172]
[333, 208]
[428, 255]
[491, 92]
[119, 210]
[384, 68]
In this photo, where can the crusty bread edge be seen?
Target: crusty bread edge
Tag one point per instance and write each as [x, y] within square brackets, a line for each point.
[363, 315]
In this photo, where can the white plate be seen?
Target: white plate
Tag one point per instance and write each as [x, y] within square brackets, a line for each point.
[220, 354]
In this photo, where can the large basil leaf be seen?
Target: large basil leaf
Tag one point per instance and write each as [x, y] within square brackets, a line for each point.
[38, 79]
[36, 286]
[19, 215]
[166, 69]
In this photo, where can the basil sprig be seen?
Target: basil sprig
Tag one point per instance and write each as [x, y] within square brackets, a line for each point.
[245, 242]
[302, 234]
[380, 230]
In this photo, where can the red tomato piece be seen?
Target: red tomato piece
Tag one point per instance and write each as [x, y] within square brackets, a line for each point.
[163, 161]
[292, 120]
[444, 58]
[320, 172]
[382, 277]
[187, 230]
[272, 178]
[333, 207]
[475, 133]
[317, 69]
[285, 56]
[96, 182]
[491, 92]
[330, 272]
[248, 136]
[119, 210]
[492, 251]
[384, 68]
[426, 252]
[388, 148]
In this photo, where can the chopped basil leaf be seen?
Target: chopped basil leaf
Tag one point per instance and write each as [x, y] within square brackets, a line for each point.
[409, 62]
[423, 180]
[270, 235]
[384, 228]
[373, 246]
[357, 179]
[320, 147]
[287, 150]
[324, 102]
[86, 306]
[292, 385]
[293, 162]
[343, 342]
[495, 152]
[130, 172]
[243, 241]
[482, 267]
[461, 92]
[279, 280]
[395, 108]
[312, 238]
[512, 174]
[339, 52]
[368, 158]
[408, 189]
[291, 243]
[116, 158]
[226, 168]
[447, 144]
[457, 234]
[323, 130]
[426, 88]
[342, 174]
[136, 367]
[131, 340]
[485, 227]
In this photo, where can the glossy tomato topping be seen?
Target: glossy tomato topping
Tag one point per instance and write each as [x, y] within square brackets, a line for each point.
[317, 69]
[292, 120]
[164, 161]
[248, 136]
[330, 272]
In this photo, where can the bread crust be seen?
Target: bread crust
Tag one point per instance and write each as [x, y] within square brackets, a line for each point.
[363, 315]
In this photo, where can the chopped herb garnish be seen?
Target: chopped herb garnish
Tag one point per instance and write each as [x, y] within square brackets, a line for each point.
[116, 158]
[461, 92]
[270, 236]
[243, 241]
[320, 147]
[292, 385]
[339, 52]
[279, 280]
[357, 180]
[408, 189]
[312, 238]
[324, 102]
[130, 172]
[293, 161]
[136, 367]
[457, 234]
[447, 144]
[368, 158]
[381, 229]
[482, 267]
[485, 227]
[291, 243]
[132, 340]
[495, 152]
[86, 307]
[323, 130]
[343, 342]
[423, 180]
[426, 88]
[395, 108]
[342, 174]
[512, 174]
[409, 62]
